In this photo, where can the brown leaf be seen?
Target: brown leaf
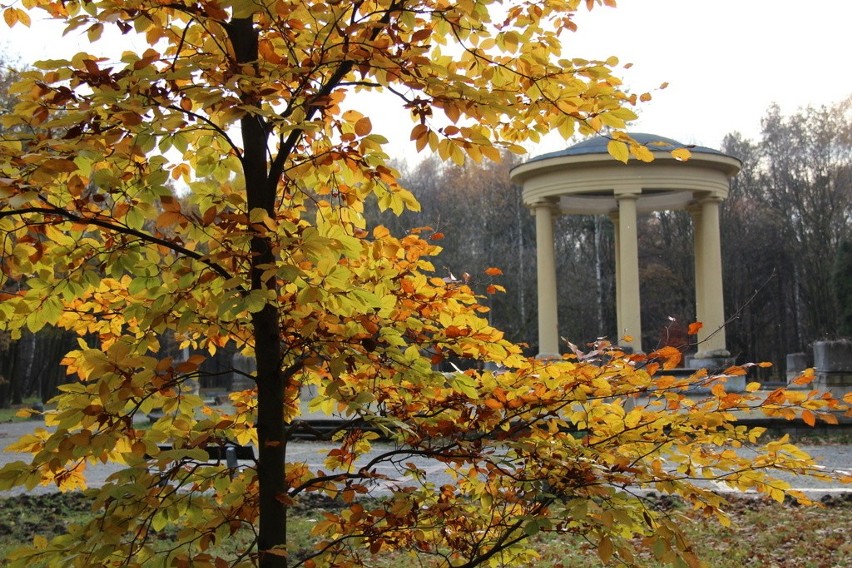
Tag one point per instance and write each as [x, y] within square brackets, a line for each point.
[363, 126]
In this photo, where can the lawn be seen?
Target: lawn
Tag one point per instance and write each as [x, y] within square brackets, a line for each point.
[764, 533]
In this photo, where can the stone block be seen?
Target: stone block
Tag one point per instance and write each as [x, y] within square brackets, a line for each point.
[796, 363]
[715, 363]
[833, 356]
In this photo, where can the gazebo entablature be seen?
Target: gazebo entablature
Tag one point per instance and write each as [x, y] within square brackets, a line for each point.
[590, 185]
[586, 180]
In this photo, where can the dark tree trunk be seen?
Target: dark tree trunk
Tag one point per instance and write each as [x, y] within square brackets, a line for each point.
[271, 380]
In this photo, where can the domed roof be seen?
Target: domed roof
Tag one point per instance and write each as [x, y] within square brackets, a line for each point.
[654, 142]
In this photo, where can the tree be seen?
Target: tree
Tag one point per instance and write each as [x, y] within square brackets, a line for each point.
[19, 375]
[809, 185]
[783, 222]
[479, 221]
[247, 106]
[842, 281]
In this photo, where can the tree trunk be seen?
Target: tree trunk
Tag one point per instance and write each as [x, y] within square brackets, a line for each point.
[260, 193]
[599, 275]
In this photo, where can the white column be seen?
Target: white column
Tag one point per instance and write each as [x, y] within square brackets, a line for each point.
[627, 285]
[709, 294]
[548, 332]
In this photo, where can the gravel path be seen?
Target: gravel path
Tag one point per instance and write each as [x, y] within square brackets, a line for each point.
[832, 457]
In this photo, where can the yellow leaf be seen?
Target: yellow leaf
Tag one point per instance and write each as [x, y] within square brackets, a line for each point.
[751, 387]
[681, 154]
[618, 150]
[642, 153]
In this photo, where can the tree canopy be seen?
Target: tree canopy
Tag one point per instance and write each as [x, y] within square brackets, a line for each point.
[212, 186]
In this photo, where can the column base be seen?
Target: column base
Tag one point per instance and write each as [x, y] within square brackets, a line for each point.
[715, 361]
[549, 357]
[839, 384]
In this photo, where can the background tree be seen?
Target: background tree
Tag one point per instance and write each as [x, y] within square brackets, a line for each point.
[808, 183]
[842, 280]
[788, 212]
[246, 104]
[478, 220]
[29, 366]
[667, 278]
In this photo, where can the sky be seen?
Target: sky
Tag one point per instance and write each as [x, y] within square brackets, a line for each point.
[725, 62]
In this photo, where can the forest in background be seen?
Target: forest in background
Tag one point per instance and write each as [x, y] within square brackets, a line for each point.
[784, 225]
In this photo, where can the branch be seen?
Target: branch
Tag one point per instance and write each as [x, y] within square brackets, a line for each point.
[124, 230]
[277, 167]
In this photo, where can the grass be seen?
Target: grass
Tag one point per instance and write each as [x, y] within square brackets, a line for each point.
[48, 515]
[10, 414]
[763, 534]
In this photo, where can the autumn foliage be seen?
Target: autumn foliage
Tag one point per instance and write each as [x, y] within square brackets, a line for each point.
[211, 186]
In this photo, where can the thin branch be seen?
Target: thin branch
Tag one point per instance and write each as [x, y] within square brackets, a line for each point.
[124, 230]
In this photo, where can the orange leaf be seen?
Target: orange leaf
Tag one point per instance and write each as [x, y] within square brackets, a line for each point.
[694, 327]
[734, 371]
[809, 418]
[828, 417]
[493, 271]
[419, 131]
[664, 381]
[436, 237]
[363, 126]
[454, 331]
[11, 16]
[805, 378]
[168, 219]
[670, 356]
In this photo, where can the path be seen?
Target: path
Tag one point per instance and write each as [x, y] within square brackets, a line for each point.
[832, 457]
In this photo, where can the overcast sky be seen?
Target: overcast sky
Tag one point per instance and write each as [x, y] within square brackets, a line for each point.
[725, 61]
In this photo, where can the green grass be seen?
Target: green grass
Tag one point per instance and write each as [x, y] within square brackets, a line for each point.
[10, 414]
[48, 515]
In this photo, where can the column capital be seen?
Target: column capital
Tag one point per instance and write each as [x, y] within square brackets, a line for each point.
[545, 202]
[708, 199]
[627, 193]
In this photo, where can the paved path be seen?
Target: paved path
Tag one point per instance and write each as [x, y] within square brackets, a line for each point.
[832, 457]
